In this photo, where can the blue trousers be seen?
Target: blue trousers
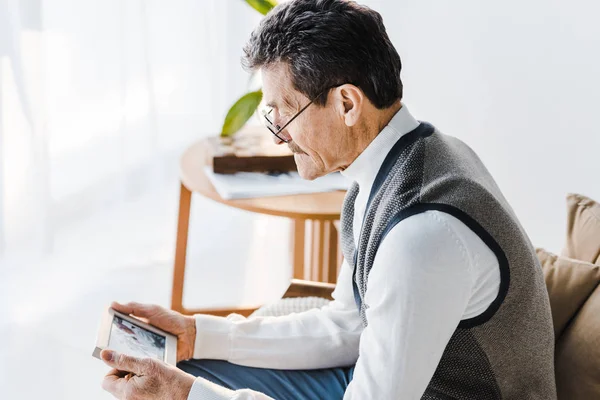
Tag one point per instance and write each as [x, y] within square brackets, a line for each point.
[325, 384]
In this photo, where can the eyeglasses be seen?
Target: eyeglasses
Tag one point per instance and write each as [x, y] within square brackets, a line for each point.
[277, 129]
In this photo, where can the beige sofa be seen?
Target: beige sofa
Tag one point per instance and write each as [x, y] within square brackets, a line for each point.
[573, 281]
[573, 285]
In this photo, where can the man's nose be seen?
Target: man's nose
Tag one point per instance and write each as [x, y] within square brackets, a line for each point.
[281, 135]
[277, 140]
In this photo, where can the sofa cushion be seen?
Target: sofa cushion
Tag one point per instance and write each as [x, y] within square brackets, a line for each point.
[570, 283]
[583, 229]
[577, 357]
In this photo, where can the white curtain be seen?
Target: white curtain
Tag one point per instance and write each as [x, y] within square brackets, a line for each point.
[99, 98]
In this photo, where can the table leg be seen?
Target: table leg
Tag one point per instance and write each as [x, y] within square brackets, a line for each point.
[317, 250]
[323, 263]
[331, 255]
[298, 243]
[185, 199]
[324, 251]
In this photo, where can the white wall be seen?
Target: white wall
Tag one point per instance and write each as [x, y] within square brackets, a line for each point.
[99, 98]
[519, 81]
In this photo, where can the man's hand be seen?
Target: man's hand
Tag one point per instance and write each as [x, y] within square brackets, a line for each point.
[182, 326]
[144, 378]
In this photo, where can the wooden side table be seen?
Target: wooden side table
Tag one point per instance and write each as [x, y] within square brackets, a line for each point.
[314, 215]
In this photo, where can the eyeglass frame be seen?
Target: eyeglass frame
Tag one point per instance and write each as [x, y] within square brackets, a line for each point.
[279, 130]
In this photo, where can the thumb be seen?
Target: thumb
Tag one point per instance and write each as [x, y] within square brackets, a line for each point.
[123, 362]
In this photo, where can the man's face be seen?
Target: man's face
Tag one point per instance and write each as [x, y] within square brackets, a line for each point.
[315, 136]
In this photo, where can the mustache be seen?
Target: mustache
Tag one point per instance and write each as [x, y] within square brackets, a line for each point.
[294, 148]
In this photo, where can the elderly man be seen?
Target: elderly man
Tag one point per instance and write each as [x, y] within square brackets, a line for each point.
[440, 295]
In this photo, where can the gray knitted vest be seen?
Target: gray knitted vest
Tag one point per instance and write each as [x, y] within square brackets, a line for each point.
[507, 352]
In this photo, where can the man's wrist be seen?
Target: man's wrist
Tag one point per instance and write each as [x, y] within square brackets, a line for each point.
[191, 333]
[186, 386]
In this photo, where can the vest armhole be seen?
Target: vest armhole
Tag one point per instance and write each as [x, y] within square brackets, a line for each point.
[483, 235]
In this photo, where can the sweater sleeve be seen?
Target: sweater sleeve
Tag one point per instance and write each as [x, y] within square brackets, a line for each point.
[318, 338]
[423, 276]
[418, 289]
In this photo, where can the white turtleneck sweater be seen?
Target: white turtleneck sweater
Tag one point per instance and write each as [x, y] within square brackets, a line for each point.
[430, 272]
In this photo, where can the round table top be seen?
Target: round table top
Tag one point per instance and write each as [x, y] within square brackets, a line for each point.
[320, 206]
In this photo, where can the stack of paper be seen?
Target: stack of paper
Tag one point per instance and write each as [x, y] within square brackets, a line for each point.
[252, 184]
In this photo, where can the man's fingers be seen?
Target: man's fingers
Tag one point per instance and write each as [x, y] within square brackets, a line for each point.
[124, 362]
[119, 374]
[137, 309]
[114, 383]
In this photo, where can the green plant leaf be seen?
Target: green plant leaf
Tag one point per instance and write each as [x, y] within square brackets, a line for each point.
[241, 112]
[262, 6]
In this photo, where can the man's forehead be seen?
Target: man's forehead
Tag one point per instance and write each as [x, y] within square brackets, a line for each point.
[277, 87]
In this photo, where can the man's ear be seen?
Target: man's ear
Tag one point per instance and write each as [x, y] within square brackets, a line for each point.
[350, 101]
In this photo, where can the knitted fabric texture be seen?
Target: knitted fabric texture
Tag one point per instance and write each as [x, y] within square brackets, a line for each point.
[507, 352]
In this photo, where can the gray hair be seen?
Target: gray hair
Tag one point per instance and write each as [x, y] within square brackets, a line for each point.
[327, 43]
